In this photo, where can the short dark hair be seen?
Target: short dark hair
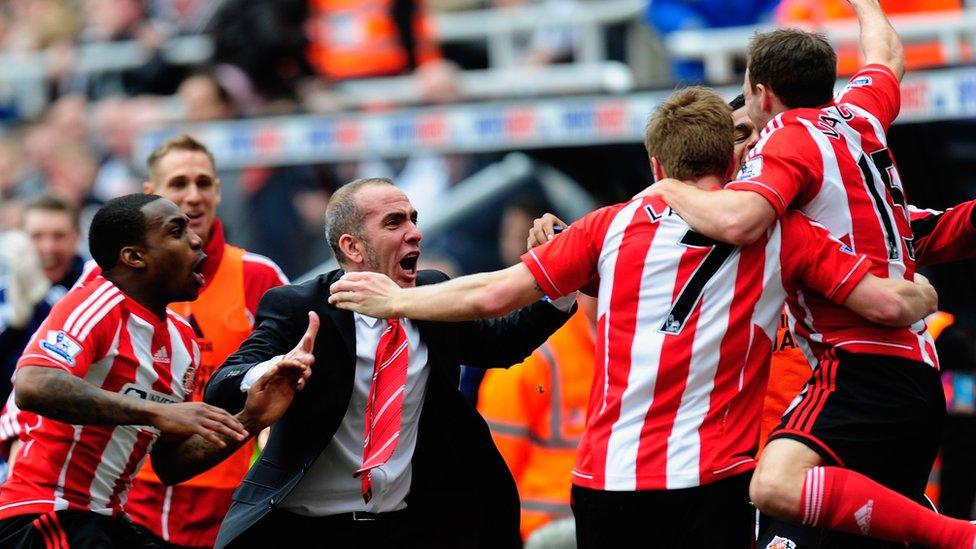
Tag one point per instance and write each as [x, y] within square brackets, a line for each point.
[691, 134]
[50, 203]
[799, 67]
[342, 215]
[738, 102]
[117, 224]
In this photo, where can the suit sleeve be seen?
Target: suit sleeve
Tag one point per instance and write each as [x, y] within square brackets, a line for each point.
[278, 327]
[946, 236]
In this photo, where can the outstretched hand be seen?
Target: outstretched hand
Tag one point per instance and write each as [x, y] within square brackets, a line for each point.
[270, 396]
[367, 293]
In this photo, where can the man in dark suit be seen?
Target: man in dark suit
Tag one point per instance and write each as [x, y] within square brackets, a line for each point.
[444, 484]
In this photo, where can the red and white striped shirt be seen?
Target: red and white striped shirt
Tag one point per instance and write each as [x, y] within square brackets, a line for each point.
[834, 165]
[101, 335]
[684, 334]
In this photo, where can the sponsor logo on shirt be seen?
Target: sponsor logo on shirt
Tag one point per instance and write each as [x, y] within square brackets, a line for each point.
[61, 346]
[781, 543]
[131, 389]
[863, 517]
[860, 81]
[751, 169]
[190, 378]
[846, 249]
[161, 355]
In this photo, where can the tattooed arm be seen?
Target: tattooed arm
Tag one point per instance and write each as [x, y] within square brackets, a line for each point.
[61, 396]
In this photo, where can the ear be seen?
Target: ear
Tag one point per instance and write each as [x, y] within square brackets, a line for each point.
[765, 97]
[133, 257]
[148, 187]
[657, 170]
[352, 248]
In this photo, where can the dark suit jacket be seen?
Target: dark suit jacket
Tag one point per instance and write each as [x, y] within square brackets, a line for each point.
[459, 482]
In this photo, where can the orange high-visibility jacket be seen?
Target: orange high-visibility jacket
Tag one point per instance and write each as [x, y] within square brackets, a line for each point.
[360, 39]
[537, 412]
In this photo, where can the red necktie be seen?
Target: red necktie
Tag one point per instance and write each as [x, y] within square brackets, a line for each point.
[384, 405]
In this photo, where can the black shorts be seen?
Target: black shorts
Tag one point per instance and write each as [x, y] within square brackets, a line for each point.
[74, 529]
[878, 415]
[716, 515]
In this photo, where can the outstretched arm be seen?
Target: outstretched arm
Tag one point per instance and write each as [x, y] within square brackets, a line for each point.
[481, 295]
[893, 301]
[880, 43]
[61, 396]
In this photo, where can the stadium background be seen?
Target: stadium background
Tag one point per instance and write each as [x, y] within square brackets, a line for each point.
[542, 98]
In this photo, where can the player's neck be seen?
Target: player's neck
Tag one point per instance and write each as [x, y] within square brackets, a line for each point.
[707, 183]
[139, 292]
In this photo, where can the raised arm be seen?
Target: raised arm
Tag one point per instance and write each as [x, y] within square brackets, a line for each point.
[267, 400]
[471, 297]
[880, 43]
[893, 301]
[735, 217]
[56, 394]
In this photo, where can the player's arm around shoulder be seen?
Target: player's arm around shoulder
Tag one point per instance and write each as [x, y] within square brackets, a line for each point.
[893, 301]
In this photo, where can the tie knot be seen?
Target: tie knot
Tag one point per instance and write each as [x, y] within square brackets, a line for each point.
[393, 323]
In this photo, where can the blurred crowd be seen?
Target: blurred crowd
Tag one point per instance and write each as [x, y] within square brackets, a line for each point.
[271, 58]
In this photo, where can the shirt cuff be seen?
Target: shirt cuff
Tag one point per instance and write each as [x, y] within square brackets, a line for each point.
[565, 303]
[257, 371]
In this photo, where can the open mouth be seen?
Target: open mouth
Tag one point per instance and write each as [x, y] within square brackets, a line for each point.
[409, 262]
[195, 218]
[198, 268]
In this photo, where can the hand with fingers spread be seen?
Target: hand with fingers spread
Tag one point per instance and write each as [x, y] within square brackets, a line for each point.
[543, 230]
[197, 418]
[270, 396]
[368, 293]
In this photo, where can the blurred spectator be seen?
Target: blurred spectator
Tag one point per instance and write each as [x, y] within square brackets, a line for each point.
[38, 273]
[11, 179]
[350, 39]
[817, 12]
[115, 124]
[69, 174]
[536, 411]
[204, 99]
[260, 53]
[668, 16]
[29, 25]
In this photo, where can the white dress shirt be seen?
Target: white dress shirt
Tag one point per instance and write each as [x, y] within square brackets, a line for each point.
[329, 487]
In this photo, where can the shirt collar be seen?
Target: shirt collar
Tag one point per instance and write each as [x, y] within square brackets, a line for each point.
[368, 320]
